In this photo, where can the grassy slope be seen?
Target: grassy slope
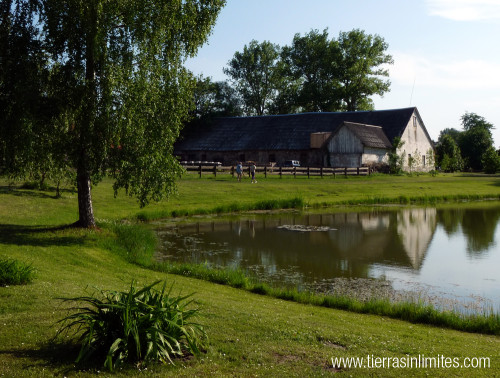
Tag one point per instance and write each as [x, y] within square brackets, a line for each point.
[250, 334]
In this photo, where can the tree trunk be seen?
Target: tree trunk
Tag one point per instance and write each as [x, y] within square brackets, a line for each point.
[85, 209]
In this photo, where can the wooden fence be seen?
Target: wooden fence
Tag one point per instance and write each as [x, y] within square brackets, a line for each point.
[281, 171]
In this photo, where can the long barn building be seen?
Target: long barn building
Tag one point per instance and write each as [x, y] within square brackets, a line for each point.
[341, 139]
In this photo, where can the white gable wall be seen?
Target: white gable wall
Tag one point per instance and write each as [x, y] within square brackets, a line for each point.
[417, 144]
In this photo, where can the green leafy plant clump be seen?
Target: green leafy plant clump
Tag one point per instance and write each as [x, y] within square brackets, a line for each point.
[141, 325]
[14, 272]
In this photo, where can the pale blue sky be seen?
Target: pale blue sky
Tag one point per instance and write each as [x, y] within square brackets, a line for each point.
[450, 49]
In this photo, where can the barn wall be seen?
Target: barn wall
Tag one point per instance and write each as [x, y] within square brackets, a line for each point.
[375, 156]
[417, 144]
[311, 158]
[345, 160]
[345, 142]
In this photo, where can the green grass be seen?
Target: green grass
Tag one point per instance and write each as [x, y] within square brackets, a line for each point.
[14, 272]
[415, 312]
[249, 333]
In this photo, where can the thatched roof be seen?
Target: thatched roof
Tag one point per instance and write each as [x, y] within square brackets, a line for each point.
[369, 135]
[289, 132]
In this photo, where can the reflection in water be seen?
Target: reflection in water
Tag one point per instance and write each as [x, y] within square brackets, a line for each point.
[394, 244]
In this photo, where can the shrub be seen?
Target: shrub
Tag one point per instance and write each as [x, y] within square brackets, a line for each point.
[135, 326]
[13, 272]
[491, 161]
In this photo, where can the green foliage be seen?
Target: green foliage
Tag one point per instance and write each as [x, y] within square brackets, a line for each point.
[255, 75]
[396, 157]
[475, 140]
[134, 243]
[140, 325]
[449, 156]
[362, 69]
[116, 88]
[491, 161]
[473, 120]
[313, 74]
[311, 62]
[14, 272]
[431, 159]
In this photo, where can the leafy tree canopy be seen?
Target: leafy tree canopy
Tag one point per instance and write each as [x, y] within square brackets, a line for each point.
[312, 61]
[475, 140]
[362, 69]
[116, 68]
[254, 73]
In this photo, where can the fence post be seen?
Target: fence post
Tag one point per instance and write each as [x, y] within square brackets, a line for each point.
[265, 171]
[215, 170]
[307, 172]
[334, 175]
[280, 171]
[358, 171]
[345, 171]
[321, 171]
[199, 169]
[294, 171]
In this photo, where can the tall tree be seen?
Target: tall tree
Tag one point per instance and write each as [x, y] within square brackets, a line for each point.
[362, 69]
[312, 63]
[120, 68]
[255, 75]
[448, 154]
[475, 140]
[211, 100]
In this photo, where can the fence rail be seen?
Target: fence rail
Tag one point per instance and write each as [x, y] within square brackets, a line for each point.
[281, 171]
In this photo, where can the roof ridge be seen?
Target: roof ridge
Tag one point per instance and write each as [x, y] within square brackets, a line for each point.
[361, 124]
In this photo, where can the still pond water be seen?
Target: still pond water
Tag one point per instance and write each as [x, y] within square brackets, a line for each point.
[451, 254]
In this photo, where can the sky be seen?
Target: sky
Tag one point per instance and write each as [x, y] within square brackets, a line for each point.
[446, 52]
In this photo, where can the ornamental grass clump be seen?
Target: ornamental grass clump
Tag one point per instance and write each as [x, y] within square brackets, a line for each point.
[14, 272]
[136, 326]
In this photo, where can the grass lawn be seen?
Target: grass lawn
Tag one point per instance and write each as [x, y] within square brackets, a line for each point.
[249, 334]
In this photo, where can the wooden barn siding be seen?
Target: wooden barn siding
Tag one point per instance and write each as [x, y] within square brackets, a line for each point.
[345, 149]
[345, 142]
[345, 160]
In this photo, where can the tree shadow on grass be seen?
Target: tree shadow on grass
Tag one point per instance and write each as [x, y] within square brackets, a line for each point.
[21, 192]
[38, 236]
[54, 355]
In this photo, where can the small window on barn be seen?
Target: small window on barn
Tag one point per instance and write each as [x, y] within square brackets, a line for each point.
[415, 121]
[423, 160]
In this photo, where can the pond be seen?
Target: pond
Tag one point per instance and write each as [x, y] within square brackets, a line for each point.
[446, 256]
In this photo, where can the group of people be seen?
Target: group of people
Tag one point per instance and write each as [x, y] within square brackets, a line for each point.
[239, 171]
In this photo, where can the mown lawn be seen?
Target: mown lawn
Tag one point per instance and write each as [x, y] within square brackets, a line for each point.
[249, 334]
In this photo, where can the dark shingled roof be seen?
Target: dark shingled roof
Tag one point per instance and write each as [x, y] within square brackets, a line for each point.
[369, 135]
[287, 132]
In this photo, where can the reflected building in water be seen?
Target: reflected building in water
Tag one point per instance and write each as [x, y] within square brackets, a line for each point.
[330, 245]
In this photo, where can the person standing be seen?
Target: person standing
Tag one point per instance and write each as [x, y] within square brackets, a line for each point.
[252, 172]
[239, 170]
